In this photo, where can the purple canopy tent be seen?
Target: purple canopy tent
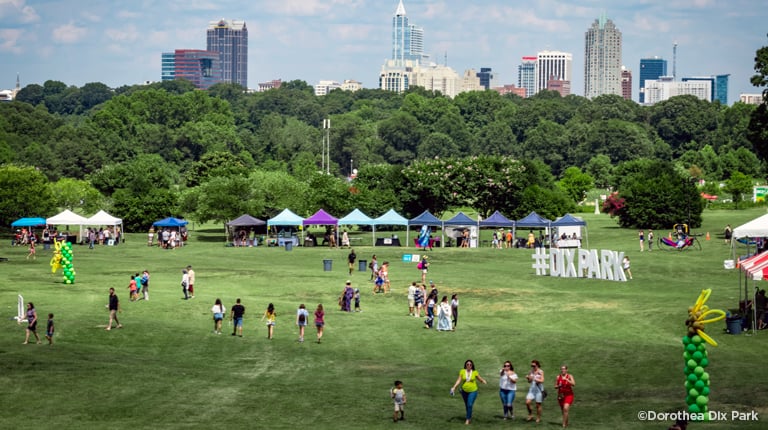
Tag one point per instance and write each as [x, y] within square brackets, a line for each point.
[322, 217]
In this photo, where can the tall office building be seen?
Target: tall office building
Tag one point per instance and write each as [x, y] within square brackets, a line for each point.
[651, 69]
[486, 77]
[201, 68]
[666, 87]
[526, 76]
[626, 83]
[230, 39]
[552, 66]
[407, 39]
[602, 59]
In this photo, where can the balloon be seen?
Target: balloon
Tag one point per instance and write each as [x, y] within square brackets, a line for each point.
[698, 371]
[694, 408]
[705, 377]
[704, 362]
[699, 384]
[695, 379]
[705, 391]
[696, 340]
[702, 401]
[692, 364]
[694, 392]
[698, 355]
[690, 348]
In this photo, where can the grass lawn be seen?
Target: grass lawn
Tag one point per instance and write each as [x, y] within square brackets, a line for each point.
[166, 369]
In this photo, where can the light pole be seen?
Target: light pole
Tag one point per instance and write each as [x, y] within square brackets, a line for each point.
[327, 146]
[350, 168]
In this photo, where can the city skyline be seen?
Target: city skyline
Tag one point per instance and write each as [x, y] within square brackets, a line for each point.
[120, 43]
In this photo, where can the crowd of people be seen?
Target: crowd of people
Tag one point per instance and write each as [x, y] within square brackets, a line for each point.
[167, 238]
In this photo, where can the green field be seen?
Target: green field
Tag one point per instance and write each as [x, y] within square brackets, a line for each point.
[166, 369]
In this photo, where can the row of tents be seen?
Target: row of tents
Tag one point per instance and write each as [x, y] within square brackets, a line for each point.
[68, 217]
[391, 217]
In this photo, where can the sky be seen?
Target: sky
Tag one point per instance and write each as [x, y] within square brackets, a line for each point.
[119, 42]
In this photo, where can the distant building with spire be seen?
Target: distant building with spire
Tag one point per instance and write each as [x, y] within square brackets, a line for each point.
[602, 59]
[10, 95]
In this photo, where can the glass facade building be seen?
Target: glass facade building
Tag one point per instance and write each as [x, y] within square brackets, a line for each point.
[526, 76]
[202, 68]
[486, 77]
[230, 39]
[651, 69]
[407, 39]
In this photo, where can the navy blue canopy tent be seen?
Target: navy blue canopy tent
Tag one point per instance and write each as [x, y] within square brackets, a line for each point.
[426, 218]
[569, 220]
[497, 220]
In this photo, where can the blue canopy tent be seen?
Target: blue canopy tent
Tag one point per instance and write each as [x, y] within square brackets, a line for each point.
[426, 218]
[170, 222]
[284, 218]
[569, 220]
[357, 217]
[28, 222]
[461, 220]
[533, 220]
[389, 218]
[498, 220]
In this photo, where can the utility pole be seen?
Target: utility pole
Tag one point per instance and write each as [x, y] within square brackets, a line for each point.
[326, 166]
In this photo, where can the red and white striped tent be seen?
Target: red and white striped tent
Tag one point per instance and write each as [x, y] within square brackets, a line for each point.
[756, 266]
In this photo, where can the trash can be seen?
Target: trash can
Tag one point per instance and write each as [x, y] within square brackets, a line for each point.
[362, 266]
[288, 245]
[733, 324]
[327, 265]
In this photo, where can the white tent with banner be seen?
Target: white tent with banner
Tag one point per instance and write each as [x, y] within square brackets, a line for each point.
[753, 267]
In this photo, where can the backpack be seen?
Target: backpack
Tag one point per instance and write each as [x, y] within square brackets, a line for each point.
[302, 318]
[370, 265]
[420, 266]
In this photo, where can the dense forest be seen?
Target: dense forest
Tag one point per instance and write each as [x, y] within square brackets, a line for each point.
[149, 151]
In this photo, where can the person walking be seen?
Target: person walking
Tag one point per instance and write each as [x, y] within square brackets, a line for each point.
[536, 391]
[236, 315]
[650, 240]
[351, 258]
[625, 264]
[423, 267]
[191, 282]
[397, 393]
[218, 316]
[270, 315]
[468, 377]
[302, 316]
[444, 315]
[454, 310]
[185, 283]
[31, 323]
[114, 308]
[564, 385]
[319, 321]
[508, 389]
[50, 329]
[145, 284]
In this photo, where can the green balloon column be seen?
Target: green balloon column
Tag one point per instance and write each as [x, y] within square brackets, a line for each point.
[66, 263]
[695, 355]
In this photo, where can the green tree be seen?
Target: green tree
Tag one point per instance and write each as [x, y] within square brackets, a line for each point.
[76, 195]
[576, 183]
[24, 192]
[657, 196]
[737, 186]
[758, 122]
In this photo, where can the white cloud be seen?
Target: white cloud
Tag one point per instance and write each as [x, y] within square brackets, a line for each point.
[128, 14]
[68, 33]
[18, 11]
[129, 33]
[9, 40]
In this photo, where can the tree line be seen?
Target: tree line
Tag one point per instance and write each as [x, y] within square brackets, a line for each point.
[147, 151]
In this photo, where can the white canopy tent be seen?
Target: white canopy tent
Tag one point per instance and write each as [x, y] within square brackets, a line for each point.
[67, 217]
[756, 228]
[103, 218]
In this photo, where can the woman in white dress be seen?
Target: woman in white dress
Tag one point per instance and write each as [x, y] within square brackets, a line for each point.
[444, 315]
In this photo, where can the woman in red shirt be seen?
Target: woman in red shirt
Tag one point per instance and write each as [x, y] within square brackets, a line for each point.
[564, 385]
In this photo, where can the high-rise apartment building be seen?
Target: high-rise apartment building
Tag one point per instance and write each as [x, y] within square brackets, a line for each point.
[602, 59]
[552, 66]
[651, 69]
[407, 39]
[626, 83]
[526, 76]
[201, 68]
[230, 39]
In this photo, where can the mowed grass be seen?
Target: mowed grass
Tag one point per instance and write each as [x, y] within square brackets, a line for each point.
[165, 368]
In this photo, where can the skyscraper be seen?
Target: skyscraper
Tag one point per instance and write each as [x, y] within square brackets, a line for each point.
[718, 87]
[602, 59]
[526, 75]
[486, 77]
[552, 66]
[651, 69]
[407, 39]
[230, 39]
